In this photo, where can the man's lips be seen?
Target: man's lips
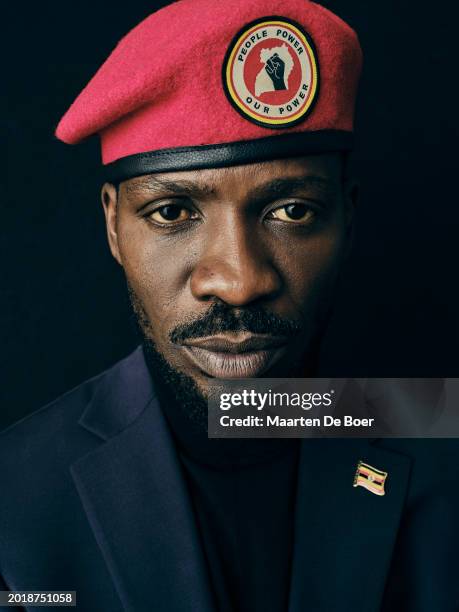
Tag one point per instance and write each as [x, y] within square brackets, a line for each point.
[230, 356]
[245, 343]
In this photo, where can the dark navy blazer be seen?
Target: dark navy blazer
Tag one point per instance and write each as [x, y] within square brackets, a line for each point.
[93, 499]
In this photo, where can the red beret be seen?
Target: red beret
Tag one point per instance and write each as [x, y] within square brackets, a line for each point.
[202, 84]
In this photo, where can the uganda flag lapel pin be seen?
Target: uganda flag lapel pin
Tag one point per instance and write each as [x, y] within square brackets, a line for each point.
[370, 478]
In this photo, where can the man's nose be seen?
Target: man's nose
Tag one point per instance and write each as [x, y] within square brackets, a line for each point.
[235, 268]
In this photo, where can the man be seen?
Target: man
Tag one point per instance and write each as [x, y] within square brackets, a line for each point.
[225, 129]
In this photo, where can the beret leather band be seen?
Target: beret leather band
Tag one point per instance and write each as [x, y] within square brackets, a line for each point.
[228, 154]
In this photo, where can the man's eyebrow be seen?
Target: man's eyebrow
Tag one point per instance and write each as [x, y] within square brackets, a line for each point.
[284, 187]
[274, 189]
[156, 186]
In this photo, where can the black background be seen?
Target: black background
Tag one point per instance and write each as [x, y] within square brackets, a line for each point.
[64, 311]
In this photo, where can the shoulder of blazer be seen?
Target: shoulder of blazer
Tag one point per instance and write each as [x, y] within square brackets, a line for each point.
[54, 433]
[435, 465]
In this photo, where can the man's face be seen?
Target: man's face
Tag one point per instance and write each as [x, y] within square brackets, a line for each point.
[232, 271]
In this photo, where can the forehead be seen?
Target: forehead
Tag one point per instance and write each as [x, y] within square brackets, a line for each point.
[326, 167]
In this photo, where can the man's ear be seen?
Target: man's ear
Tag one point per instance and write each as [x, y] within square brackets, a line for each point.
[109, 196]
[351, 200]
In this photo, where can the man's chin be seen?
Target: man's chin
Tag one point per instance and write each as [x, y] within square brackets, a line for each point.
[188, 394]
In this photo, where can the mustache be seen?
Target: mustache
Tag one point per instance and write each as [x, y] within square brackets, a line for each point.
[221, 318]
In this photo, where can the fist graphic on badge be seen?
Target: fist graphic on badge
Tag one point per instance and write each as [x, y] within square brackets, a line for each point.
[275, 67]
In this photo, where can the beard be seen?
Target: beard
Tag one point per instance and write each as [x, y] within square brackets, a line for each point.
[178, 391]
[173, 387]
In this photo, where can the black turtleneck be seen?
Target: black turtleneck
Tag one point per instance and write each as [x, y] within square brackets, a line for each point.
[243, 494]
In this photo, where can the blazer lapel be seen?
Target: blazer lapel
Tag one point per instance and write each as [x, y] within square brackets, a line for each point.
[344, 535]
[136, 501]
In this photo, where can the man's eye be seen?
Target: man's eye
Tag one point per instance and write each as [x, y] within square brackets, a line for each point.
[170, 214]
[293, 213]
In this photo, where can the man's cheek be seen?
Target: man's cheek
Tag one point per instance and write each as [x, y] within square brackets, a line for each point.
[148, 296]
[316, 259]
[315, 285]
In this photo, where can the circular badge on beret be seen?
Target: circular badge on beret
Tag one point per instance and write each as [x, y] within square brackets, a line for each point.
[271, 73]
